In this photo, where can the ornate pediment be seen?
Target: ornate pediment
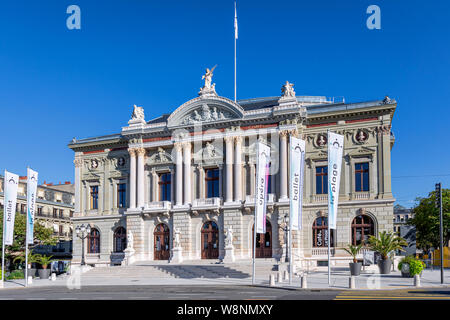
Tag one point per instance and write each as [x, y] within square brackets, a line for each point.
[205, 109]
[206, 114]
[361, 151]
[160, 157]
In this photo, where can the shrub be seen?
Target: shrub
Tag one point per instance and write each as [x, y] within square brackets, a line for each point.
[16, 274]
[415, 267]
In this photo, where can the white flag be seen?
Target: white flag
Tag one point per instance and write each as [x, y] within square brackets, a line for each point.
[235, 22]
[335, 148]
[297, 159]
[9, 212]
[32, 179]
[262, 173]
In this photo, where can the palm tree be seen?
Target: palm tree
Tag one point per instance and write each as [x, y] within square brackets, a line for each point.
[44, 260]
[387, 242]
[354, 250]
[32, 258]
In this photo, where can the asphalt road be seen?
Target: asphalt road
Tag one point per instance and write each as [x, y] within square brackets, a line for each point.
[215, 293]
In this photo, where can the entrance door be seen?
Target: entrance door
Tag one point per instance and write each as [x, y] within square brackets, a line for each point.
[162, 242]
[263, 242]
[210, 240]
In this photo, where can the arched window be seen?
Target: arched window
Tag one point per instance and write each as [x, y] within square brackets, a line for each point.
[120, 239]
[94, 241]
[362, 228]
[320, 233]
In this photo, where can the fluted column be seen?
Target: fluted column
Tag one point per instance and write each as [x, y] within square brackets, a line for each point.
[229, 168]
[238, 169]
[283, 164]
[78, 163]
[140, 153]
[132, 202]
[187, 172]
[178, 174]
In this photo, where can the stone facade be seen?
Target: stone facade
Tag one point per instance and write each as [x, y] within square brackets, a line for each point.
[213, 132]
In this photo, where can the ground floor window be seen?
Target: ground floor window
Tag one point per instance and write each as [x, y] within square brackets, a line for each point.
[320, 233]
[362, 228]
[120, 239]
[94, 241]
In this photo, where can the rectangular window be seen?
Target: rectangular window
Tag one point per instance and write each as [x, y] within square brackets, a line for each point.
[165, 186]
[361, 177]
[39, 211]
[121, 195]
[23, 208]
[61, 231]
[61, 213]
[94, 197]
[322, 180]
[55, 213]
[269, 181]
[212, 183]
[71, 214]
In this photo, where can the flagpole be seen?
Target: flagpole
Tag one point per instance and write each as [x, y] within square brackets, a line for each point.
[328, 220]
[26, 234]
[235, 34]
[291, 265]
[3, 238]
[254, 251]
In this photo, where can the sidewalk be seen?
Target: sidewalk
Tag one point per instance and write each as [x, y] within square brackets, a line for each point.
[315, 280]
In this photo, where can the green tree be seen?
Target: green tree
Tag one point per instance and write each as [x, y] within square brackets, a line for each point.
[426, 220]
[42, 236]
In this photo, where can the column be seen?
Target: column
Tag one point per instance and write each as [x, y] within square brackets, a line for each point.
[229, 168]
[283, 165]
[78, 163]
[132, 202]
[238, 168]
[178, 173]
[140, 152]
[187, 172]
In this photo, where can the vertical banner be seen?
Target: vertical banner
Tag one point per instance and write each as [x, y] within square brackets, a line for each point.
[32, 179]
[262, 173]
[335, 148]
[297, 159]
[10, 190]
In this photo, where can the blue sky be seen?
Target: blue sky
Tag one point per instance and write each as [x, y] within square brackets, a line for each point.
[56, 84]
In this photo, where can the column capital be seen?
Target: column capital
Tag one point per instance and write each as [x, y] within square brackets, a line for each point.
[186, 145]
[237, 139]
[132, 152]
[228, 139]
[178, 146]
[78, 162]
[284, 133]
[140, 151]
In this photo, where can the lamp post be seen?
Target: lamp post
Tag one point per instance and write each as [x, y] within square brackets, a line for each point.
[82, 232]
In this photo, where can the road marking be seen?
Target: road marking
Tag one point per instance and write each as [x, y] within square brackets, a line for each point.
[389, 297]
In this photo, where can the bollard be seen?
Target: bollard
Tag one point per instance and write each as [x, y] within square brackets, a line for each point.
[279, 277]
[53, 278]
[304, 283]
[352, 282]
[417, 280]
[271, 280]
[286, 275]
[30, 280]
[1, 284]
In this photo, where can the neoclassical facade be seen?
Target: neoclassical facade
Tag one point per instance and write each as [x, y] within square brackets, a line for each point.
[173, 187]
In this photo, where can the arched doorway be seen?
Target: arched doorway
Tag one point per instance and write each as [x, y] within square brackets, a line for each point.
[320, 233]
[362, 228]
[263, 242]
[162, 242]
[210, 240]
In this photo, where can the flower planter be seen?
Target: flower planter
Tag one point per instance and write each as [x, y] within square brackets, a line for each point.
[44, 273]
[405, 271]
[385, 266]
[355, 268]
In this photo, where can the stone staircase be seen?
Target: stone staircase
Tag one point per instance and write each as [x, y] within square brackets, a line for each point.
[202, 269]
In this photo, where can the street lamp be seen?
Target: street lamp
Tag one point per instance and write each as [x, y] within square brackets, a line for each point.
[82, 232]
